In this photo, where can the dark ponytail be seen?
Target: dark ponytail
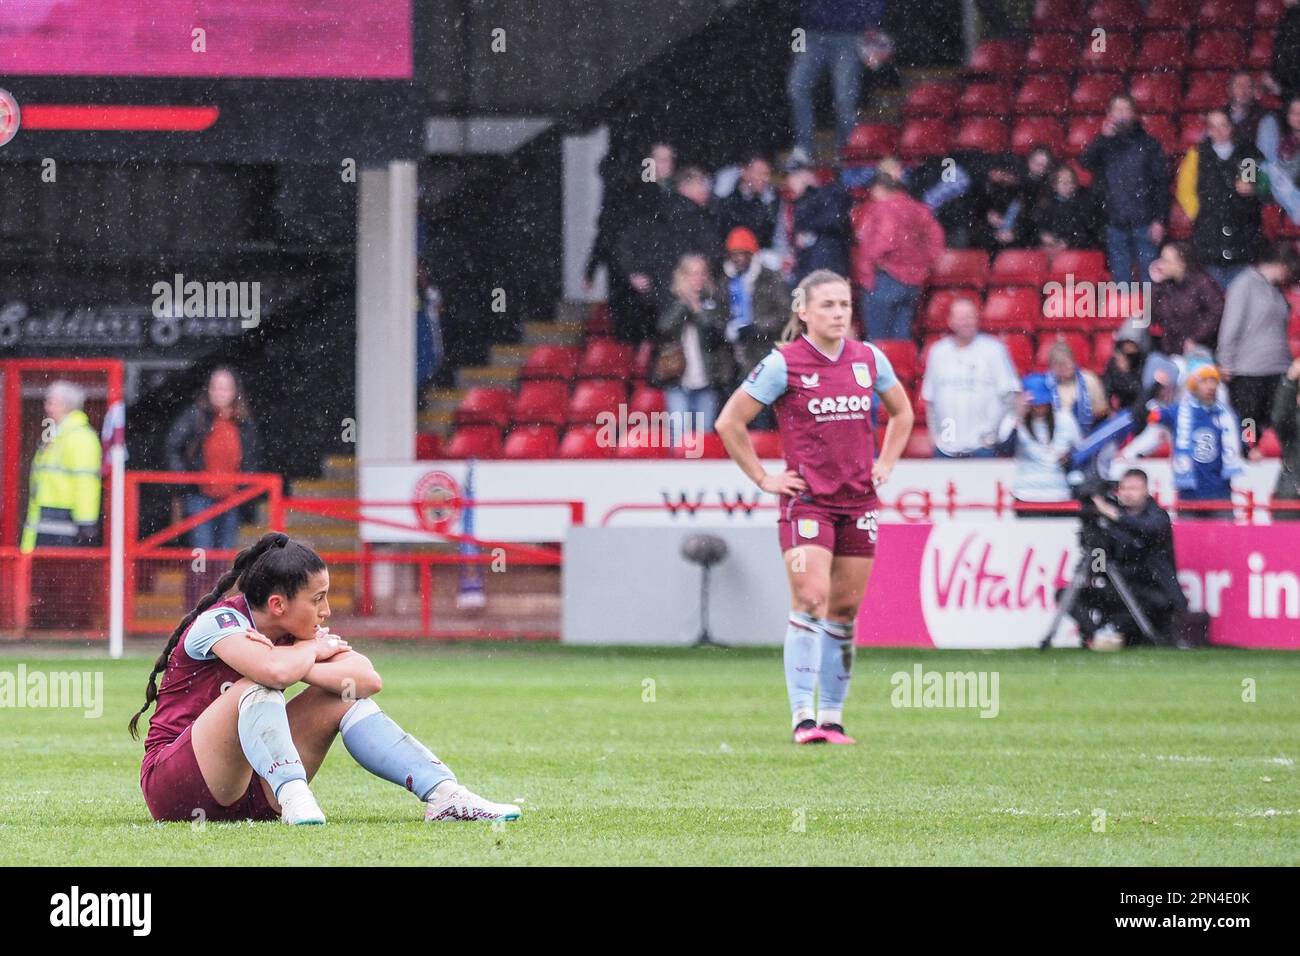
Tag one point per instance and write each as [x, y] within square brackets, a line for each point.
[245, 562]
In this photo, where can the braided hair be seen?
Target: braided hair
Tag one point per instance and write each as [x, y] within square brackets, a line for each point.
[275, 564]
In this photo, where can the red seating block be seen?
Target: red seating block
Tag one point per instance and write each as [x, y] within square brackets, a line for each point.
[985, 133]
[1169, 14]
[1156, 93]
[1080, 346]
[1111, 53]
[1086, 265]
[960, 268]
[985, 99]
[541, 403]
[1082, 131]
[1225, 14]
[1217, 50]
[1052, 53]
[551, 361]
[1019, 267]
[584, 441]
[902, 356]
[592, 397]
[1021, 349]
[484, 406]
[1011, 310]
[767, 444]
[997, 58]
[1116, 14]
[531, 441]
[1055, 15]
[605, 358]
[1093, 91]
[1032, 131]
[923, 138]
[1205, 91]
[931, 98]
[1164, 50]
[1043, 94]
[475, 441]
[870, 141]
[937, 307]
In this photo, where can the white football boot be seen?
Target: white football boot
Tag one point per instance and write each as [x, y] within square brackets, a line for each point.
[297, 805]
[455, 802]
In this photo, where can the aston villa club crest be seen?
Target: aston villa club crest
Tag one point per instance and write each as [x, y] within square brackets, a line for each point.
[10, 117]
[862, 373]
[807, 527]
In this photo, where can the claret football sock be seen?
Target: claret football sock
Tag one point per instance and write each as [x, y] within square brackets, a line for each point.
[802, 651]
[387, 751]
[836, 670]
[263, 727]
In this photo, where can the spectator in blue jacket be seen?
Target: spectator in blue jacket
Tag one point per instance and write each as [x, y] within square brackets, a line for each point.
[1132, 177]
[832, 31]
[814, 227]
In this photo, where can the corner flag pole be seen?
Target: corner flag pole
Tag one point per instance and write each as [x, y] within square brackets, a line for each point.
[115, 432]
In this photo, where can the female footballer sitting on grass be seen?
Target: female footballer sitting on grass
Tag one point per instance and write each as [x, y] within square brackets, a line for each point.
[821, 383]
[222, 716]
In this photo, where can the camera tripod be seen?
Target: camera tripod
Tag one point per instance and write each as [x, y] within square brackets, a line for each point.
[1079, 581]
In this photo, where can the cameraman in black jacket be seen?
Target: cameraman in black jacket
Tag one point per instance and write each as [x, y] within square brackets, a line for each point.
[1136, 537]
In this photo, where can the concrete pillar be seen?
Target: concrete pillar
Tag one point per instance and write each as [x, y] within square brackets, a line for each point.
[582, 199]
[386, 306]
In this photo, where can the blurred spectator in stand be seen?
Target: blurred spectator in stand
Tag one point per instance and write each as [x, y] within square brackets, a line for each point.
[683, 222]
[813, 228]
[1286, 421]
[968, 388]
[1132, 176]
[758, 302]
[1243, 111]
[1186, 303]
[1253, 352]
[1284, 80]
[1044, 435]
[1216, 188]
[753, 203]
[216, 434]
[1279, 143]
[1035, 189]
[429, 350]
[628, 200]
[999, 204]
[899, 241]
[65, 486]
[1073, 389]
[1122, 378]
[1206, 443]
[832, 35]
[1067, 217]
[694, 360]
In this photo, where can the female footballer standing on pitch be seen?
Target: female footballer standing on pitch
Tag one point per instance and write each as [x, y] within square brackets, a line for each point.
[222, 715]
[821, 383]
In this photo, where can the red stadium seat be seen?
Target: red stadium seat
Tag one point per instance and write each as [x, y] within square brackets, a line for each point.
[598, 323]
[931, 98]
[1217, 50]
[641, 362]
[605, 358]
[960, 268]
[1115, 14]
[870, 141]
[767, 444]
[918, 406]
[475, 441]
[1032, 131]
[1083, 130]
[1021, 349]
[1268, 445]
[919, 444]
[1169, 14]
[923, 138]
[654, 449]
[1205, 91]
[937, 307]
[1164, 50]
[1268, 13]
[541, 403]
[1156, 93]
[1192, 130]
[1166, 133]
[484, 406]
[531, 441]
[1043, 94]
[1103, 346]
[584, 442]
[902, 356]
[1093, 91]
[1225, 14]
[428, 446]
[1086, 265]
[646, 399]
[985, 134]
[1017, 267]
[1061, 16]
[1052, 53]
[996, 58]
[1111, 53]
[985, 99]
[1011, 310]
[1080, 347]
[594, 396]
[1260, 55]
[551, 361]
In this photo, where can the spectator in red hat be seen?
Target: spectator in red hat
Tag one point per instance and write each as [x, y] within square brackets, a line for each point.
[759, 302]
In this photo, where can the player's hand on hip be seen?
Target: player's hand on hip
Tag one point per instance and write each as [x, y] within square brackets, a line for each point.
[785, 483]
[880, 472]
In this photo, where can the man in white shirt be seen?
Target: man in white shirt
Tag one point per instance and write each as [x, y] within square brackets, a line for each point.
[969, 387]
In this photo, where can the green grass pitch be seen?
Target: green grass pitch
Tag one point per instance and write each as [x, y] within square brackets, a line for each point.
[623, 756]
